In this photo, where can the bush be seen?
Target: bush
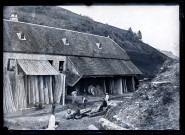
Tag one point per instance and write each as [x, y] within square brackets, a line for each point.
[167, 98]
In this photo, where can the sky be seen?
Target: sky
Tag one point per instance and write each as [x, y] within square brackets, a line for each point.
[159, 25]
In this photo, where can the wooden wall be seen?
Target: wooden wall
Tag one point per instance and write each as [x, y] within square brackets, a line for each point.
[21, 91]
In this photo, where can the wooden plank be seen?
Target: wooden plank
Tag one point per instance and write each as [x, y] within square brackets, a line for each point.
[41, 89]
[29, 92]
[36, 89]
[85, 110]
[58, 87]
[49, 84]
[8, 101]
[32, 90]
[96, 113]
[46, 96]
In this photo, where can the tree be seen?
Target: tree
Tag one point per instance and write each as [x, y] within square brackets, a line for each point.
[130, 30]
[139, 35]
[129, 35]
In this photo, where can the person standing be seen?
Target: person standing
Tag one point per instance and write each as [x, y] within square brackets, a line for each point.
[74, 95]
[107, 97]
[84, 101]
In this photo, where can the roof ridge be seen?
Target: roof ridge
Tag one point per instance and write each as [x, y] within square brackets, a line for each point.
[56, 28]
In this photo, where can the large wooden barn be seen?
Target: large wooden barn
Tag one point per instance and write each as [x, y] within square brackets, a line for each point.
[43, 64]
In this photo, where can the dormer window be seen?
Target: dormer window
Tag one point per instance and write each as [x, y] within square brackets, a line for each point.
[21, 36]
[99, 45]
[13, 17]
[65, 41]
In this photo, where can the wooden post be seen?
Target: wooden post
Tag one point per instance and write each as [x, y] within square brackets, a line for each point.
[63, 83]
[133, 83]
[126, 85]
[104, 85]
[121, 86]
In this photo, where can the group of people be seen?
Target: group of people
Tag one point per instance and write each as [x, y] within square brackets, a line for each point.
[74, 114]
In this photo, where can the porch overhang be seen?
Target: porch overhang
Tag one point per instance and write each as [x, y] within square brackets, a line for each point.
[37, 67]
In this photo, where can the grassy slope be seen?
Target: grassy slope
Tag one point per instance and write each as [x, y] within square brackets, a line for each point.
[152, 107]
[146, 58]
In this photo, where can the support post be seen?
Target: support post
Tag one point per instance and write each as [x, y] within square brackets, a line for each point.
[133, 83]
[64, 77]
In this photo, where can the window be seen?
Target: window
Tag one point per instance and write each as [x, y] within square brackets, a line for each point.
[21, 36]
[65, 41]
[50, 61]
[61, 64]
[19, 70]
[99, 45]
[11, 65]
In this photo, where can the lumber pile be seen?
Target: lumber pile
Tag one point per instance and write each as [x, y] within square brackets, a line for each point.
[107, 125]
[20, 94]
[8, 102]
[59, 87]
[84, 111]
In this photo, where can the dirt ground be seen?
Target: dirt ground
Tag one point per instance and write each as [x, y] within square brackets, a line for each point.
[33, 120]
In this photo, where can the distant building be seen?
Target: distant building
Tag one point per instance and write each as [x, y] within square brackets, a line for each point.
[46, 63]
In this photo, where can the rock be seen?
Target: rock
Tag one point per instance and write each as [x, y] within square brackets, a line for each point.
[107, 125]
[92, 127]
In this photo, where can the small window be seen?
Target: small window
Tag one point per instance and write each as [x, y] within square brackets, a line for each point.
[11, 65]
[19, 70]
[21, 36]
[61, 64]
[99, 45]
[65, 41]
[50, 61]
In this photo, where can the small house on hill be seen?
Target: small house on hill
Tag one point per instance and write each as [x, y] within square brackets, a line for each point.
[43, 64]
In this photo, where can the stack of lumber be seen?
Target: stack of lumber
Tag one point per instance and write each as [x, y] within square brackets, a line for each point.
[20, 94]
[8, 102]
[59, 87]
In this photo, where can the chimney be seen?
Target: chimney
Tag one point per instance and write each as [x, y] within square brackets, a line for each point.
[13, 17]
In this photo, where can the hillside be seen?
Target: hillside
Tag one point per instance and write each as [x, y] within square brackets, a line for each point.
[145, 57]
[155, 106]
[169, 54]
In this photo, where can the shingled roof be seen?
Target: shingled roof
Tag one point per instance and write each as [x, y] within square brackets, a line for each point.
[49, 40]
[91, 55]
[103, 67]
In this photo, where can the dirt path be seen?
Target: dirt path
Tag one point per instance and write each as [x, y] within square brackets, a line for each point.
[34, 120]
